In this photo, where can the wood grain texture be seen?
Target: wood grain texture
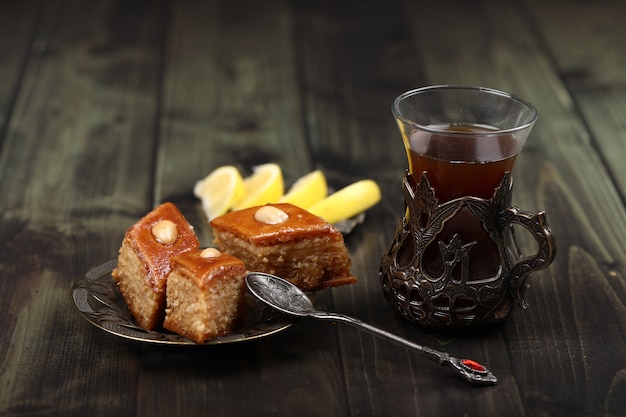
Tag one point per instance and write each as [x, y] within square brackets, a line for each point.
[74, 177]
[231, 92]
[568, 175]
[231, 97]
[16, 25]
[110, 107]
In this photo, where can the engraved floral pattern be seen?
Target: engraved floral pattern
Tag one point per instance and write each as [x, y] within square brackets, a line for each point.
[447, 300]
[276, 292]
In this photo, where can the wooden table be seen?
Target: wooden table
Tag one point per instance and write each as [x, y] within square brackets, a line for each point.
[109, 108]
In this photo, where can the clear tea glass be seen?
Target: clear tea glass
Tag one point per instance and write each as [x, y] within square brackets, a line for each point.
[454, 261]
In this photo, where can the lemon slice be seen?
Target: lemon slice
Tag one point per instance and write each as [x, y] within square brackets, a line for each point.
[348, 201]
[307, 190]
[265, 185]
[220, 190]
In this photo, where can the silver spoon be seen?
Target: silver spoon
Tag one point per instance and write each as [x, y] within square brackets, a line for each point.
[289, 299]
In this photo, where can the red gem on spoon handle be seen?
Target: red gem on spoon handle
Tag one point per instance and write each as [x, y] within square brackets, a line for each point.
[472, 371]
[475, 366]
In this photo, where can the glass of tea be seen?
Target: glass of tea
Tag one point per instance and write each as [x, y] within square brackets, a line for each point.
[454, 261]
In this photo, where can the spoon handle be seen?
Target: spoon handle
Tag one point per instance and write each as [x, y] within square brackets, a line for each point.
[470, 370]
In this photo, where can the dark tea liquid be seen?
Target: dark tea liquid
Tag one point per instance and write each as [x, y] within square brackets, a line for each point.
[461, 165]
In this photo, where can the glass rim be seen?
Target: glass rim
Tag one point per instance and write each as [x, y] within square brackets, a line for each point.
[493, 91]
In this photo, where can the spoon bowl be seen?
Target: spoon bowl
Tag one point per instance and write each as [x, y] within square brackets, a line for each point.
[280, 294]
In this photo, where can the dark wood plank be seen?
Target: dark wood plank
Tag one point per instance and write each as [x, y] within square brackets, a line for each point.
[378, 60]
[231, 96]
[562, 173]
[595, 256]
[474, 26]
[77, 167]
[231, 93]
[107, 108]
[593, 78]
[348, 86]
[17, 20]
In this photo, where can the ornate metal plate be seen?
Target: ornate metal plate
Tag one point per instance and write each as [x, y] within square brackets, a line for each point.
[98, 299]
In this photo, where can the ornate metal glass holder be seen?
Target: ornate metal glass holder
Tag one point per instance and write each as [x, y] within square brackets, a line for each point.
[452, 298]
